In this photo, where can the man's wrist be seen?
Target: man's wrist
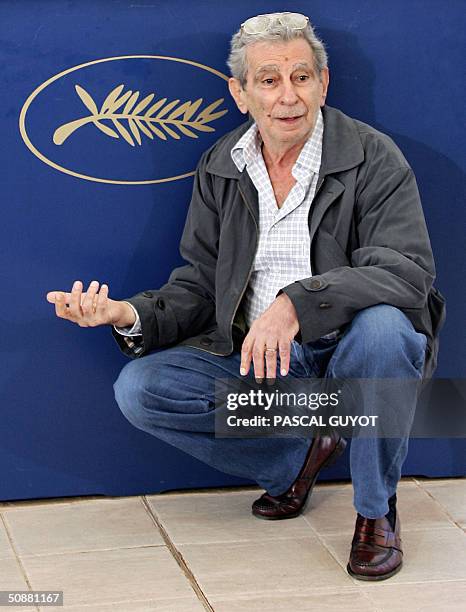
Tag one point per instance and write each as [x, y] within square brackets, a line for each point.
[126, 315]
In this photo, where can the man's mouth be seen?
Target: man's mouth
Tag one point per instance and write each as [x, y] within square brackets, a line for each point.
[290, 119]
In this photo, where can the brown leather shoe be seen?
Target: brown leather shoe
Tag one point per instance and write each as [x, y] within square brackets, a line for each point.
[324, 451]
[376, 552]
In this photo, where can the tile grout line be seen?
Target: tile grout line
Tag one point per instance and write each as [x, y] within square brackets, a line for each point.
[17, 557]
[353, 580]
[92, 608]
[76, 551]
[332, 534]
[20, 504]
[177, 555]
[441, 506]
[329, 551]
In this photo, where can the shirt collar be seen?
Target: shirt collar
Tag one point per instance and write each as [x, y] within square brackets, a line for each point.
[248, 148]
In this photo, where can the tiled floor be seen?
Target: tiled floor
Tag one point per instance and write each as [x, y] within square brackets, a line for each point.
[203, 550]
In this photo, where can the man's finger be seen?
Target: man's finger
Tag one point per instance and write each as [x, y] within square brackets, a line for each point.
[102, 299]
[258, 358]
[246, 355]
[89, 300]
[60, 306]
[271, 361]
[75, 301]
[285, 350]
[52, 296]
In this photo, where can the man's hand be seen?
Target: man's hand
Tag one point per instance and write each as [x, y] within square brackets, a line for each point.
[91, 308]
[274, 329]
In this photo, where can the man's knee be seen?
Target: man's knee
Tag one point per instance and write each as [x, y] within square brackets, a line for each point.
[380, 341]
[129, 390]
[383, 327]
[159, 383]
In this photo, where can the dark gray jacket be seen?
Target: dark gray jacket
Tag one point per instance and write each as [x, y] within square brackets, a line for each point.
[369, 245]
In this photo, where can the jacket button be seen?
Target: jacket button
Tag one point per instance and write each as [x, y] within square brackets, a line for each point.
[325, 305]
[315, 284]
[147, 294]
[206, 341]
[161, 304]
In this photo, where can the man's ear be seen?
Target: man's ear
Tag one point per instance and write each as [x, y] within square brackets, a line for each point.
[324, 78]
[237, 94]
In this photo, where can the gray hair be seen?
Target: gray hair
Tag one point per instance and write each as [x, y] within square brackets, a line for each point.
[237, 62]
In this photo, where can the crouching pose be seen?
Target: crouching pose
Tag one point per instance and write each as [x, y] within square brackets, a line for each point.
[307, 256]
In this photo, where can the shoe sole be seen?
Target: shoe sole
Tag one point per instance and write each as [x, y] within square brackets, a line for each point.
[374, 578]
[336, 453]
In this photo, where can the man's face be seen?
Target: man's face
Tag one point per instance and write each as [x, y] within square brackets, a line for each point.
[283, 92]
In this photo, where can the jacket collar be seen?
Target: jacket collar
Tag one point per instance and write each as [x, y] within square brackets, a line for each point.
[341, 147]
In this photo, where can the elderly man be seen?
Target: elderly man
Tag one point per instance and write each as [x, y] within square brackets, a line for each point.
[306, 246]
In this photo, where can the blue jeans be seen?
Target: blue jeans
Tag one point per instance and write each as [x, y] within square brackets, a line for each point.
[170, 393]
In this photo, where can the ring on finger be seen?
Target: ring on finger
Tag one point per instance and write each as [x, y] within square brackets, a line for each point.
[272, 350]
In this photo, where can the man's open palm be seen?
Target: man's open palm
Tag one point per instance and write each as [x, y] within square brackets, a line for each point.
[91, 308]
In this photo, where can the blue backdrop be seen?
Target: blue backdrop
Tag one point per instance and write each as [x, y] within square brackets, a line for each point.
[78, 202]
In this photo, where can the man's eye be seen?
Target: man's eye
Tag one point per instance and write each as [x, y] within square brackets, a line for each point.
[268, 81]
[303, 77]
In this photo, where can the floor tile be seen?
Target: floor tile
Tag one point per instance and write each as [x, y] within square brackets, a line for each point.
[331, 509]
[104, 576]
[6, 552]
[351, 600]
[202, 519]
[11, 577]
[87, 525]
[451, 494]
[297, 565]
[185, 604]
[107, 554]
[424, 597]
[434, 554]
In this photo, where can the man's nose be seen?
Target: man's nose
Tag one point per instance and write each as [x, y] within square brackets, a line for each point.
[288, 94]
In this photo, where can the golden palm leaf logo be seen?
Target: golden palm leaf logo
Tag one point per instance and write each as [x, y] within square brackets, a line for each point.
[161, 119]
